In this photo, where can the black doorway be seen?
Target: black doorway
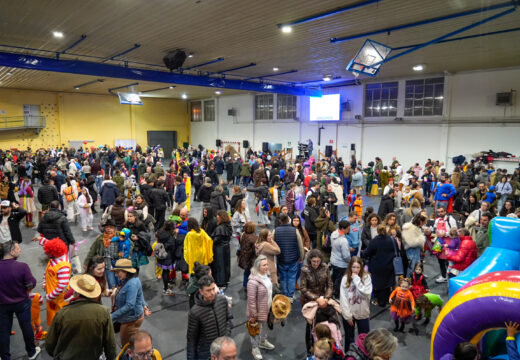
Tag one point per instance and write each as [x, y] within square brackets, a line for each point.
[167, 139]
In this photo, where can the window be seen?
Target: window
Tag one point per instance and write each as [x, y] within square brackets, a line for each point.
[424, 97]
[286, 106]
[209, 110]
[264, 105]
[381, 99]
[196, 111]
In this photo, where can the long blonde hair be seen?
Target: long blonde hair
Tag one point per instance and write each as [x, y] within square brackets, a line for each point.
[380, 343]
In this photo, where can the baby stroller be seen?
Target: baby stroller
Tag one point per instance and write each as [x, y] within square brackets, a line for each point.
[329, 316]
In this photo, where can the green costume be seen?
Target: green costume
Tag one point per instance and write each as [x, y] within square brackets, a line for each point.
[370, 178]
[435, 300]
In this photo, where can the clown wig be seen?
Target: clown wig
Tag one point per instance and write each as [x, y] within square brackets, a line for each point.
[55, 248]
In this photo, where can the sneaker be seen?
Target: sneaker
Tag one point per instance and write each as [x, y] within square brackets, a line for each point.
[266, 345]
[441, 279]
[168, 292]
[257, 355]
[37, 352]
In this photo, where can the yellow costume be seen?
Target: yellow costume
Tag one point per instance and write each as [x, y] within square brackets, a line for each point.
[54, 304]
[198, 246]
[187, 185]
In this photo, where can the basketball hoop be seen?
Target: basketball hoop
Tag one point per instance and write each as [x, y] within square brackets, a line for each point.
[369, 58]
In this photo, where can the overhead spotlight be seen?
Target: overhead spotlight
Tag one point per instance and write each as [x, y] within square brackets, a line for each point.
[140, 92]
[327, 77]
[218, 92]
[286, 29]
[57, 34]
[170, 87]
[275, 69]
[77, 87]
[418, 67]
[184, 96]
[190, 55]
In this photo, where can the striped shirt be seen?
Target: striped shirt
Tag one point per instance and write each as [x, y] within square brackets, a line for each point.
[63, 274]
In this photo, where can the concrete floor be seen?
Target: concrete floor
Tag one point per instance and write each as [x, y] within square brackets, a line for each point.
[167, 324]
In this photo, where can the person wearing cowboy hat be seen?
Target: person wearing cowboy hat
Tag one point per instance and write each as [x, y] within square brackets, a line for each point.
[83, 329]
[131, 308]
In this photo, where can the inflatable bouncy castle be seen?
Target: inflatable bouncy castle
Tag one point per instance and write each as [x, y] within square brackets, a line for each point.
[483, 297]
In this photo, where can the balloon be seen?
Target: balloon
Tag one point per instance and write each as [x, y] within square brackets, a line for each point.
[85, 142]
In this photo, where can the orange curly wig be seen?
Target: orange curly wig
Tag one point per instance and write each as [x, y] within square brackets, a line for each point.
[55, 248]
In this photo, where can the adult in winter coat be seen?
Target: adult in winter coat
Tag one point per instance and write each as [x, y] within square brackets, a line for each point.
[229, 171]
[108, 192]
[237, 195]
[324, 227]
[355, 292]
[267, 247]
[465, 255]
[380, 254]
[159, 201]
[340, 254]
[315, 285]
[413, 241]
[218, 201]
[204, 193]
[54, 224]
[247, 255]
[376, 345]
[386, 205]
[310, 214]
[237, 167]
[259, 299]
[93, 191]
[208, 319]
[46, 194]
[369, 231]
[140, 238]
[221, 266]
[10, 216]
[165, 236]
[245, 173]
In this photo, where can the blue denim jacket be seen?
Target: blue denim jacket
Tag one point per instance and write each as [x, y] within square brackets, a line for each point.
[130, 302]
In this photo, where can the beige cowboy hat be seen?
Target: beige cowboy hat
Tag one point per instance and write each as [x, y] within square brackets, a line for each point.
[85, 285]
[281, 306]
[124, 265]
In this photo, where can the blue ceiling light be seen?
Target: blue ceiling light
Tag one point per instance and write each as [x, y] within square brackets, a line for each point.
[77, 87]
[204, 64]
[388, 30]
[287, 27]
[113, 71]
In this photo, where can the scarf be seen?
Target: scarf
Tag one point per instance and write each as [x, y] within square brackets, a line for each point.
[108, 234]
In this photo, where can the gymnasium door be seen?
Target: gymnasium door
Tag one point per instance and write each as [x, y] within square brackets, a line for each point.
[167, 139]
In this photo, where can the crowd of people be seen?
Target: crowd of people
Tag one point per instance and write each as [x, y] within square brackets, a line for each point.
[313, 241]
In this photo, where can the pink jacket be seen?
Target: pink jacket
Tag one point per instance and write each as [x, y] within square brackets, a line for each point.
[257, 299]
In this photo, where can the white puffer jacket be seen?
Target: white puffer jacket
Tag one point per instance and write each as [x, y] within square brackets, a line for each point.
[413, 236]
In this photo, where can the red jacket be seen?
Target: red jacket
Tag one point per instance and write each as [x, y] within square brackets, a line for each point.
[466, 254]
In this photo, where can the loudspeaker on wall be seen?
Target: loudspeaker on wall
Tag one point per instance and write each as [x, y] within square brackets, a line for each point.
[218, 143]
[328, 150]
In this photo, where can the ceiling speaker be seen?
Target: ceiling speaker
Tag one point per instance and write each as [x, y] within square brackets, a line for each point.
[174, 59]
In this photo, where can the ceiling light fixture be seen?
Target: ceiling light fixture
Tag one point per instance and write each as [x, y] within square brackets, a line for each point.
[57, 34]
[190, 55]
[77, 88]
[184, 96]
[275, 69]
[170, 87]
[418, 67]
[218, 92]
[327, 77]
[286, 29]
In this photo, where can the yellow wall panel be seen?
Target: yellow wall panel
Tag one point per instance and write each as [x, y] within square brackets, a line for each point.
[99, 118]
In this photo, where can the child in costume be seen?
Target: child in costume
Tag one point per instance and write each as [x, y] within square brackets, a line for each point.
[450, 248]
[125, 245]
[351, 198]
[358, 206]
[57, 275]
[402, 304]
[427, 302]
[419, 285]
[26, 195]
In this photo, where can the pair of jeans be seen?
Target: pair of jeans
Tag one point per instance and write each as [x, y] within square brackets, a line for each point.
[337, 275]
[246, 180]
[247, 272]
[414, 256]
[23, 314]
[287, 276]
[363, 327]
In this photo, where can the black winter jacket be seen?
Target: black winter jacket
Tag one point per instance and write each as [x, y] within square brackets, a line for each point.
[167, 239]
[217, 201]
[158, 198]
[54, 224]
[14, 224]
[222, 235]
[47, 193]
[386, 206]
[204, 194]
[206, 322]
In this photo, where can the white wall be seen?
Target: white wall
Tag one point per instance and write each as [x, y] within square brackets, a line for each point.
[468, 96]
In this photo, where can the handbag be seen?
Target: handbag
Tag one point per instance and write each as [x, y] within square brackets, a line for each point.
[253, 328]
[397, 261]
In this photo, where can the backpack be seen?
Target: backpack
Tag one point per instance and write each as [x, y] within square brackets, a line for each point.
[69, 194]
[160, 251]
[264, 205]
